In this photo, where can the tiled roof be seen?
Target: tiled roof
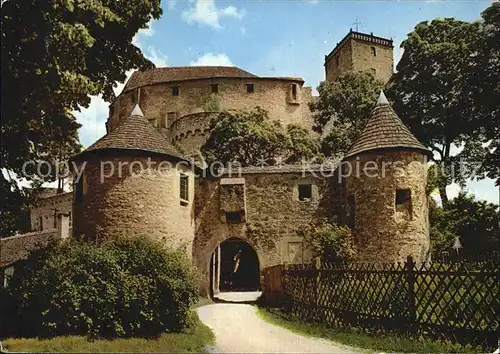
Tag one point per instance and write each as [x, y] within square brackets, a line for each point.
[385, 130]
[135, 133]
[234, 171]
[182, 73]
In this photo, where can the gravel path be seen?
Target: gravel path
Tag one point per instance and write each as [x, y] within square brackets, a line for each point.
[238, 329]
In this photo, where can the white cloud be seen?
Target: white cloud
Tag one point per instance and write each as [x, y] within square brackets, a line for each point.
[92, 120]
[171, 4]
[156, 56]
[150, 52]
[232, 11]
[243, 31]
[146, 32]
[211, 59]
[205, 12]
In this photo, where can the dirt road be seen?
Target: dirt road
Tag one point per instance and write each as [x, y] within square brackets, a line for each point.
[238, 329]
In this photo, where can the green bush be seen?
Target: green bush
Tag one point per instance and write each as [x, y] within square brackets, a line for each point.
[120, 288]
[330, 241]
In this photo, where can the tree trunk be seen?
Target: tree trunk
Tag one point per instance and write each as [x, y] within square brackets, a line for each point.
[443, 195]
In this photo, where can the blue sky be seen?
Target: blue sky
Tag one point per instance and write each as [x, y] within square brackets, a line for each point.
[276, 38]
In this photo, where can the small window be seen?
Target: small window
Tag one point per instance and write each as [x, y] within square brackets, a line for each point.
[233, 217]
[214, 88]
[171, 116]
[184, 189]
[403, 202]
[294, 92]
[350, 211]
[305, 192]
[40, 223]
[403, 196]
[374, 51]
[250, 88]
[176, 90]
[154, 122]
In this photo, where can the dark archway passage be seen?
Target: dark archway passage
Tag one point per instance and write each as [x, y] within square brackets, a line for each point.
[234, 266]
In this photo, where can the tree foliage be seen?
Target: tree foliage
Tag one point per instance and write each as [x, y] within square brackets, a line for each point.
[121, 288]
[342, 109]
[446, 90]
[55, 55]
[14, 215]
[251, 138]
[474, 222]
[329, 241]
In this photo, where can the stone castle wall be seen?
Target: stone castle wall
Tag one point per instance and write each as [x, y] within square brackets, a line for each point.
[357, 55]
[344, 59]
[364, 60]
[384, 231]
[46, 210]
[135, 204]
[190, 132]
[272, 94]
[273, 217]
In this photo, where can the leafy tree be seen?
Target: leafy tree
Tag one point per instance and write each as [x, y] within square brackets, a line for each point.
[342, 109]
[251, 138]
[432, 93]
[14, 213]
[484, 87]
[55, 55]
[212, 103]
[329, 241]
[475, 222]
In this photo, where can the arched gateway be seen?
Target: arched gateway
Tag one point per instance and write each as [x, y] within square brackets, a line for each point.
[234, 266]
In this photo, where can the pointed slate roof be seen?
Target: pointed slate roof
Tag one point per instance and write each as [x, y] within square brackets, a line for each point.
[385, 130]
[135, 133]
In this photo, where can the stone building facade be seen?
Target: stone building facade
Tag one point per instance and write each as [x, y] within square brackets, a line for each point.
[175, 99]
[139, 180]
[361, 52]
[49, 205]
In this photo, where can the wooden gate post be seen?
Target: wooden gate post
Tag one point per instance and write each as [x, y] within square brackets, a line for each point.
[412, 310]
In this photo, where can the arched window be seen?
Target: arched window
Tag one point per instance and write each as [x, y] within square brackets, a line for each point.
[374, 51]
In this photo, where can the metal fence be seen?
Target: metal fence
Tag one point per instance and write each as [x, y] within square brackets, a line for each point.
[456, 301]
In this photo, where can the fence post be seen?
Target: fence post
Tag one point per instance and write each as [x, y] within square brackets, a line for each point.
[410, 278]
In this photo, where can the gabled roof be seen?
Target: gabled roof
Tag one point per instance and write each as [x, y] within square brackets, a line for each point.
[135, 133]
[385, 130]
[182, 73]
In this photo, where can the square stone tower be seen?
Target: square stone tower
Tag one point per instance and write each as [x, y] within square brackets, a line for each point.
[361, 52]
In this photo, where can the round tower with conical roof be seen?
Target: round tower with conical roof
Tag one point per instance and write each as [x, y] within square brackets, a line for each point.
[134, 182]
[385, 180]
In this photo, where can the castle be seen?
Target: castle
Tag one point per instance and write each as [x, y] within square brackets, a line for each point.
[139, 180]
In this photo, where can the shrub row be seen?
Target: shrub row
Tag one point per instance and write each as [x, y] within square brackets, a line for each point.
[120, 288]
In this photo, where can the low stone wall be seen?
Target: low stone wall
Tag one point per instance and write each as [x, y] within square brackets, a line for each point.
[15, 248]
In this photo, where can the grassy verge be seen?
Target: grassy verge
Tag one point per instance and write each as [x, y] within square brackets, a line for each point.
[203, 301]
[386, 343]
[193, 340]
